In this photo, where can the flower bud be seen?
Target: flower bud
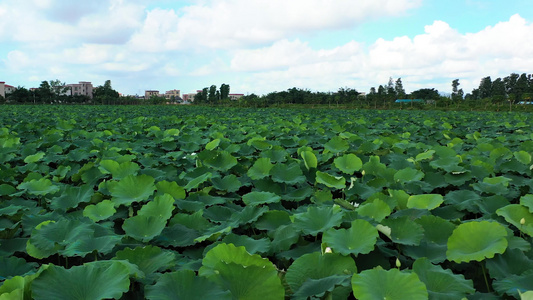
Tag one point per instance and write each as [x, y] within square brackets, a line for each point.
[522, 221]
[398, 263]
[328, 250]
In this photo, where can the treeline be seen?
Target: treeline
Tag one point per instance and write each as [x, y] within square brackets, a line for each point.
[212, 95]
[514, 88]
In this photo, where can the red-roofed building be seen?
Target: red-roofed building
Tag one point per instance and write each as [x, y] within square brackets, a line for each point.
[235, 96]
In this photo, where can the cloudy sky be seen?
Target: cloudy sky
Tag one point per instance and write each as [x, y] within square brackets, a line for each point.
[260, 46]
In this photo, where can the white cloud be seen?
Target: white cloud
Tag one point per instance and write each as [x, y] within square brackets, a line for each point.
[440, 55]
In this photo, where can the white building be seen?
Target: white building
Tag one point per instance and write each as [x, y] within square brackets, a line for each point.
[83, 88]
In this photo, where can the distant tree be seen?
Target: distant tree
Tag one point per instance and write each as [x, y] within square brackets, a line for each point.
[58, 89]
[390, 88]
[510, 84]
[44, 92]
[398, 89]
[21, 95]
[212, 94]
[485, 88]
[224, 91]
[105, 94]
[457, 94]
[498, 90]
[425, 94]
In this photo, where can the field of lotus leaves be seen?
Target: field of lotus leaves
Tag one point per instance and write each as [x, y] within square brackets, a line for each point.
[202, 203]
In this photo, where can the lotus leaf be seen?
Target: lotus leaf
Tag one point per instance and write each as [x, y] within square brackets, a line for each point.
[171, 188]
[310, 160]
[348, 163]
[515, 214]
[523, 157]
[360, 238]
[527, 201]
[374, 166]
[247, 276]
[252, 245]
[96, 280]
[229, 183]
[404, 230]
[336, 145]
[388, 284]
[212, 145]
[407, 175]
[118, 171]
[132, 189]
[185, 285]
[149, 259]
[260, 169]
[317, 266]
[511, 262]
[376, 209]
[161, 207]
[194, 183]
[476, 241]
[34, 157]
[100, 211]
[318, 219]
[514, 284]
[319, 287]
[39, 187]
[287, 173]
[425, 201]
[15, 266]
[273, 219]
[221, 160]
[330, 180]
[442, 283]
[284, 237]
[257, 198]
[144, 228]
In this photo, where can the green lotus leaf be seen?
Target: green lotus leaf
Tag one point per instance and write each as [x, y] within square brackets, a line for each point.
[34, 157]
[132, 189]
[388, 284]
[161, 207]
[195, 182]
[194, 221]
[330, 180]
[523, 157]
[6, 189]
[245, 275]
[50, 237]
[404, 230]
[257, 198]
[247, 215]
[15, 266]
[511, 262]
[374, 166]
[100, 211]
[440, 283]
[273, 219]
[260, 169]
[228, 183]
[527, 201]
[336, 145]
[13, 289]
[277, 154]
[463, 200]
[284, 237]
[317, 266]
[72, 196]
[214, 233]
[360, 238]
[298, 194]
[103, 240]
[221, 160]
[407, 175]
[425, 201]
[514, 214]
[96, 280]
[171, 188]
[39, 187]
[259, 144]
[348, 163]
[185, 285]
[171, 132]
[318, 219]
[118, 171]
[176, 235]
[425, 155]
[310, 160]
[448, 164]
[376, 209]
[290, 174]
[319, 287]
[144, 228]
[252, 245]
[476, 241]
[149, 259]
[436, 229]
[512, 285]
[212, 145]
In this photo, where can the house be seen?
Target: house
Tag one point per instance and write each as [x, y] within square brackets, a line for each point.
[235, 96]
[148, 94]
[2, 89]
[173, 94]
[83, 88]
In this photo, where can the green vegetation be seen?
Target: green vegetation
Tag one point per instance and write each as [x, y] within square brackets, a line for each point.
[160, 202]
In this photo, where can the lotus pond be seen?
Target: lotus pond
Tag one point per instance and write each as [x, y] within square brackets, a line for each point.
[163, 202]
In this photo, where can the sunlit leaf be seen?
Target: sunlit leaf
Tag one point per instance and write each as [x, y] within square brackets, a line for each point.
[476, 241]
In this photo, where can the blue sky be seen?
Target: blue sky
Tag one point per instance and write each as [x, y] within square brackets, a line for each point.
[263, 46]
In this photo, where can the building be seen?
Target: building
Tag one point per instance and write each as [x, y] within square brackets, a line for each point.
[2, 89]
[150, 93]
[235, 97]
[83, 88]
[173, 93]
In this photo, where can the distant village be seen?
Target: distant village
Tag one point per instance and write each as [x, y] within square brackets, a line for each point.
[85, 88]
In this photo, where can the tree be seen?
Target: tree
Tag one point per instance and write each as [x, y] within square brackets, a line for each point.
[44, 92]
[398, 88]
[498, 90]
[212, 94]
[425, 94]
[105, 94]
[457, 94]
[485, 88]
[224, 91]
